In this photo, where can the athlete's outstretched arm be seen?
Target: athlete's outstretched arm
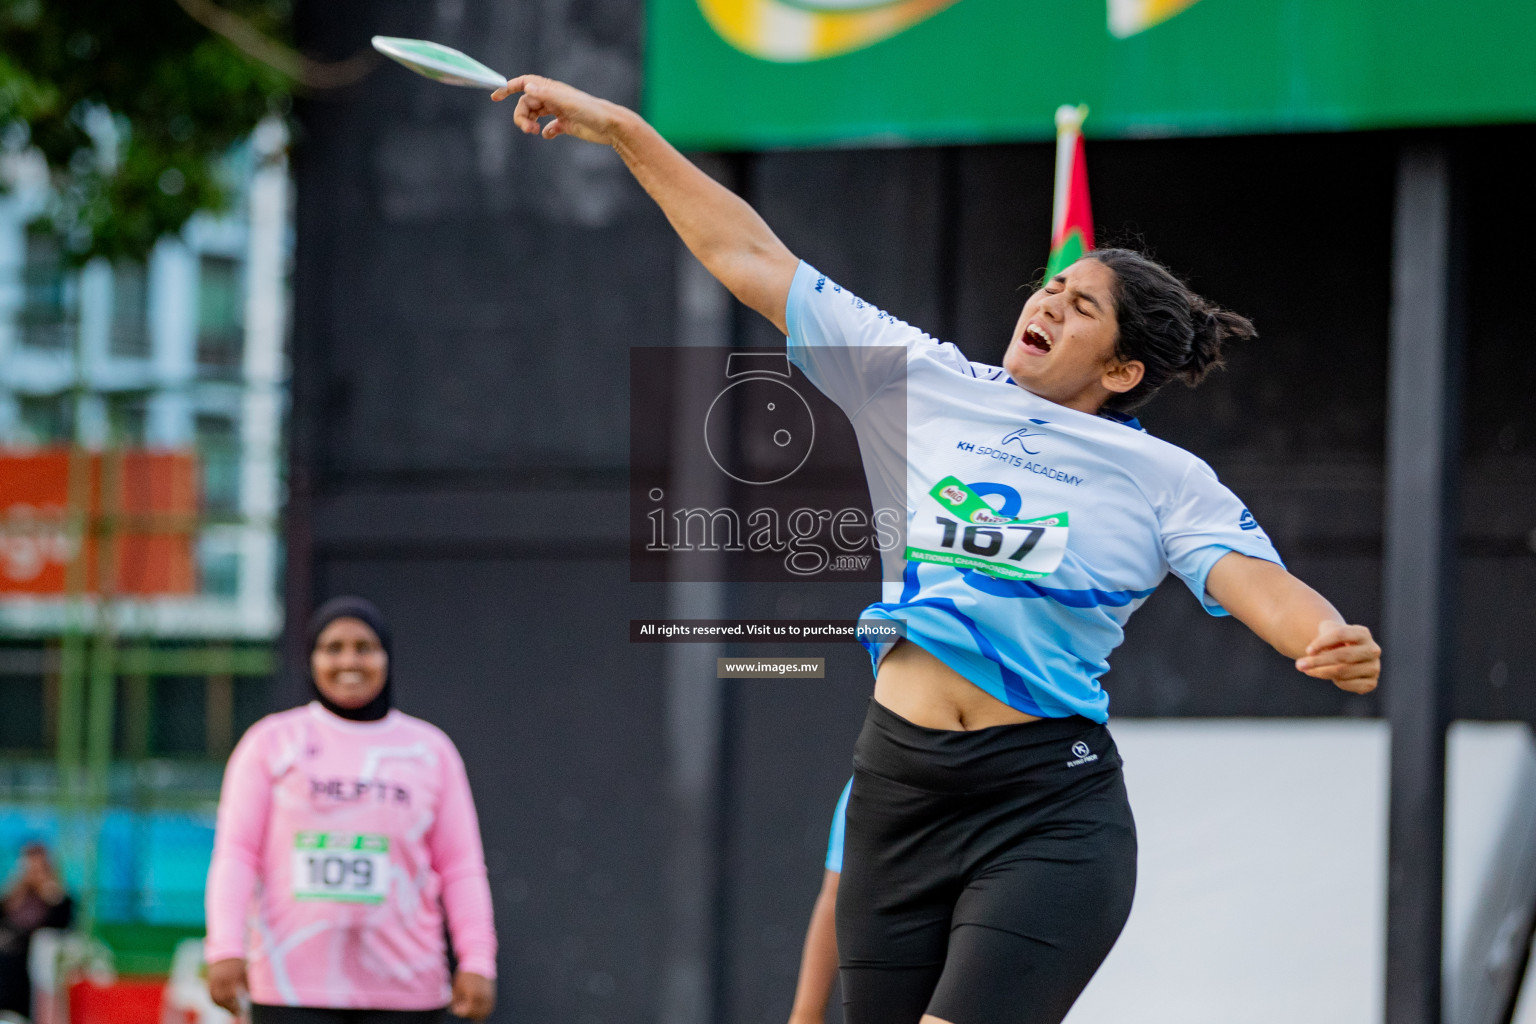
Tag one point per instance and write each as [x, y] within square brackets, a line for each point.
[726, 234]
[1295, 620]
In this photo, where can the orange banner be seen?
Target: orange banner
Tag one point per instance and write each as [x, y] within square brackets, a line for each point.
[140, 511]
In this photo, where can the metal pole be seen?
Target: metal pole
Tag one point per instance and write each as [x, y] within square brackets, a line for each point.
[80, 528]
[101, 695]
[1418, 578]
[694, 705]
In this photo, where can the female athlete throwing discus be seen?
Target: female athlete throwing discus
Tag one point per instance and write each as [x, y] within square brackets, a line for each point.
[352, 828]
[990, 854]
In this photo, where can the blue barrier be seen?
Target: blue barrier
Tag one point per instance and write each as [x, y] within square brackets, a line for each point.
[151, 866]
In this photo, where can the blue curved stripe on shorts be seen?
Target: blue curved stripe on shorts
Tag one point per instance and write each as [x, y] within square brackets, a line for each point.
[834, 860]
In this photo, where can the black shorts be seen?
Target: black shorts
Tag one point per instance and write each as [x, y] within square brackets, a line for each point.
[317, 1015]
[986, 874]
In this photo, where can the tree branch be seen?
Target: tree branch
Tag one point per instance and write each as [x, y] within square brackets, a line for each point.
[257, 45]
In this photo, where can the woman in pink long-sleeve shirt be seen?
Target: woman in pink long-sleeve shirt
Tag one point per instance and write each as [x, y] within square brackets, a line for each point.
[346, 830]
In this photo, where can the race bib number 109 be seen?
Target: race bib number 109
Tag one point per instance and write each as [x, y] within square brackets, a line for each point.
[340, 867]
[963, 531]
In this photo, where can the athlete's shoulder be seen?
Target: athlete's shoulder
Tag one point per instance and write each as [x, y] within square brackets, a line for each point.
[1127, 434]
[266, 739]
[812, 288]
[1161, 463]
[822, 312]
[421, 729]
[1174, 479]
[1155, 466]
[1159, 450]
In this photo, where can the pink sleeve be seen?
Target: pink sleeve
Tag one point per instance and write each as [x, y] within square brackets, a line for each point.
[457, 855]
[244, 800]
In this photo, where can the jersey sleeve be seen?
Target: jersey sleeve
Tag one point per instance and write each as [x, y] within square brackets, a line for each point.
[459, 859]
[839, 827]
[245, 801]
[1204, 522]
[848, 348]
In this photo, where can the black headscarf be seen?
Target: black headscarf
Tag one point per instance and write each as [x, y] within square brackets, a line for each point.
[364, 611]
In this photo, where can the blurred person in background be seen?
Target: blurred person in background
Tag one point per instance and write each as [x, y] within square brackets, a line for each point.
[352, 826]
[990, 848]
[34, 899]
[818, 958]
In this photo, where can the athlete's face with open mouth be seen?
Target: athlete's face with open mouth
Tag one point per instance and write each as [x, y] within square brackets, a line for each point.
[349, 663]
[1063, 347]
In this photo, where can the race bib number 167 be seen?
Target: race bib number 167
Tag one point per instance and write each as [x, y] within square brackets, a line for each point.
[963, 531]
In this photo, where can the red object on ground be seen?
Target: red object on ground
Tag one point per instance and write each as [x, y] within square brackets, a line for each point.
[126, 1001]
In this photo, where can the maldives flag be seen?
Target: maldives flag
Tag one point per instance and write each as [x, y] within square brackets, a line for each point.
[1071, 220]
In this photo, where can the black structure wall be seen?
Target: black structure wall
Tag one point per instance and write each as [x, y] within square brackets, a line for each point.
[464, 303]
[465, 299]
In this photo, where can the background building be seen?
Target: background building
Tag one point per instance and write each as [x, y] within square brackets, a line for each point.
[182, 357]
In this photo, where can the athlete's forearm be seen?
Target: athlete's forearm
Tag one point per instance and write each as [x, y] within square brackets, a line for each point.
[1299, 614]
[231, 884]
[1282, 610]
[726, 234]
[458, 856]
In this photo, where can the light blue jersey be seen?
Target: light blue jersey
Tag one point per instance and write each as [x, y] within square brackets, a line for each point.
[1033, 530]
[839, 826]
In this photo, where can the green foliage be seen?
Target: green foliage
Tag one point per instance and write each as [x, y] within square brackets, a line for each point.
[135, 107]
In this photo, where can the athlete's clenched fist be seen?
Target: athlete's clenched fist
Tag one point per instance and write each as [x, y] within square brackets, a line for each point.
[1346, 654]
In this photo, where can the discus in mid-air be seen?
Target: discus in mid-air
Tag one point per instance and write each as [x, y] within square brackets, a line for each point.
[438, 62]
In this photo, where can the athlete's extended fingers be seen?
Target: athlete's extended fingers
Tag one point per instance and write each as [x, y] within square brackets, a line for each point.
[526, 115]
[532, 110]
[512, 88]
[541, 98]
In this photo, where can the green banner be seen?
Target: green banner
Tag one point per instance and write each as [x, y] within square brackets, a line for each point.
[762, 73]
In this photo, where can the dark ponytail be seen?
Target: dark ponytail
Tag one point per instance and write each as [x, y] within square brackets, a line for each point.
[1174, 333]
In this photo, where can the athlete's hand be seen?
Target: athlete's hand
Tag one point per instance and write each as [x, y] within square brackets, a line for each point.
[226, 980]
[572, 111]
[474, 996]
[1346, 654]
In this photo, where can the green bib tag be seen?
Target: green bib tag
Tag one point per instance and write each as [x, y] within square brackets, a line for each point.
[963, 531]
